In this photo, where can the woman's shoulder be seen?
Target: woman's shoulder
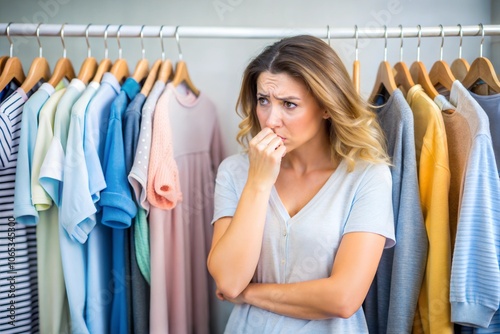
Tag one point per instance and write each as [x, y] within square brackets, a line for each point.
[235, 163]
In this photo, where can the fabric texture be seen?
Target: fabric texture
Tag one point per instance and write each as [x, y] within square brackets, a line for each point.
[392, 299]
[433, 312]
[475, 273]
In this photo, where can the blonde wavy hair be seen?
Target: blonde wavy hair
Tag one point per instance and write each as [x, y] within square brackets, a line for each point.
[353, 128]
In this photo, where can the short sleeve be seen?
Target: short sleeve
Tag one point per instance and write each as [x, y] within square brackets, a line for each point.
[226, 196]
[371, 209]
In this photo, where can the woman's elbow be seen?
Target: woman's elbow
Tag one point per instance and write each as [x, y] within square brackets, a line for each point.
[344, 308]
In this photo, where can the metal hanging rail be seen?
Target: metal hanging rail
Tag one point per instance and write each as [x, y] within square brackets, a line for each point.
[98, 30]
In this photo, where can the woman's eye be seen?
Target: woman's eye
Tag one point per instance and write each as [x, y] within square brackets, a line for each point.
[289, 105]
[262, 101]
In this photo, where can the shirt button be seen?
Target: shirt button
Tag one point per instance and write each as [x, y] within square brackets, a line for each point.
[284, 233]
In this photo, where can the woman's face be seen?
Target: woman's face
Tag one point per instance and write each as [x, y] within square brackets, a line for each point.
[285, 106]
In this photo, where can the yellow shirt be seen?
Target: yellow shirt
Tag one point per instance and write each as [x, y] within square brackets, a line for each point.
[433, 310]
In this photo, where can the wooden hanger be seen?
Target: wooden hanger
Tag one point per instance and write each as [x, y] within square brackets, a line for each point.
[460, 66]
[3, 60]
[13, 68]
[355, 65]
[482, 70]
[166, 72]
[181, 70]
[419, 73]
[89, 65]
[39, 69]
[402, 76]
[151, 79]
[120, 66]
[63, 68]
[385, 77]
[440, 73]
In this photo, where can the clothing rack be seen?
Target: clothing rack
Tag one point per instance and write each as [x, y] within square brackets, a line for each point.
[98, 30]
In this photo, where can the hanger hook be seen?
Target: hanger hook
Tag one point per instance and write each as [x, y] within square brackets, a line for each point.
[89, 52]
[328, 34]
[178, 41]
[118, 41]
[62, 40]
[461, 33]
[11, 51]
[356, 45]
[385, 46]
[442, 42]
[419, 27]
[40, 53]
[482, 40]
[106, 41]
[143, 51]
[161, 43]
[401, 45]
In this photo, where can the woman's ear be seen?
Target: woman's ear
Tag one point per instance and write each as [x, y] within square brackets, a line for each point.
[326, 115]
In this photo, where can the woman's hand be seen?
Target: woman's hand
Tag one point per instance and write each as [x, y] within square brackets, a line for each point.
[265, 152]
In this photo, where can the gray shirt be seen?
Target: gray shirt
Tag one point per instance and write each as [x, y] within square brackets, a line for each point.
[303, 247]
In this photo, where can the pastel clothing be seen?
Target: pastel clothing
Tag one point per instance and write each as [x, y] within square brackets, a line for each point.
[180, 238]
[24, 210]
[51, 172]
[53, 303]
[138, 175]
[475, 273]
[392, 299]
[433, 312]
[96, 127]
[303, 247]
[72, 211]
[77, 207]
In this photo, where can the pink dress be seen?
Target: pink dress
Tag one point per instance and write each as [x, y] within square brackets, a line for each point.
[181, 287]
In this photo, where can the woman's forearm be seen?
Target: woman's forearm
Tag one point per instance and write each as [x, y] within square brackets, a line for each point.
[311, 300]
[234, 256]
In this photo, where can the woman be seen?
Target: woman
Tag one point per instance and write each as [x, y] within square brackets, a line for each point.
[301, 219]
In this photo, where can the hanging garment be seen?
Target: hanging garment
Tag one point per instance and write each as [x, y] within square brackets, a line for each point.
[24, 210]
[433, 310]
[180, 237]
[18, 258]
[459, 140]
[137, 287]
[392, 299]
[475, 274]
[118, 208]
[138, 177]
[99, 296]
[73, 209]
[51, 172]
[52, 299]
[491, 105]
[9, 90]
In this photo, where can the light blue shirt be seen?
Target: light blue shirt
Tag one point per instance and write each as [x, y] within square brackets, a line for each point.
[303, 247]
[96, 127]
[73, 230]
[24, 210]
[99, 278]
[475, 271]
[51, 171]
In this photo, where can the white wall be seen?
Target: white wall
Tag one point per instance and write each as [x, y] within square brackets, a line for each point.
[216, 65]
